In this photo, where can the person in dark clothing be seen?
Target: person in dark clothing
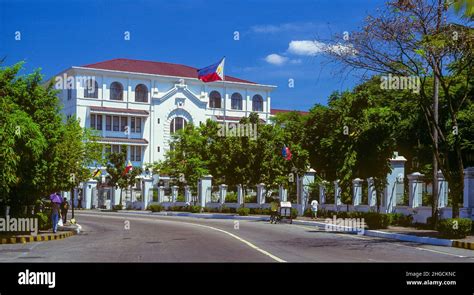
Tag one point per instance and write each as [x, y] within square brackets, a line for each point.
[64, 208]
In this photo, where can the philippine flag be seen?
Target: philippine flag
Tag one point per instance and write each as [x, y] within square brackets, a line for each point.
[128, 168]
[212, 73]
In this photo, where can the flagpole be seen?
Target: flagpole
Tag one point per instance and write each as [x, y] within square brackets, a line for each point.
[225, 98]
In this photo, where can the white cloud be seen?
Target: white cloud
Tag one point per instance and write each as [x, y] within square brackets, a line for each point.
[312, 48]
[306, 47]
[276, 59]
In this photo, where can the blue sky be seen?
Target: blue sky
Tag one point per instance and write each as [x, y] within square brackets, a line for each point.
[275, 42]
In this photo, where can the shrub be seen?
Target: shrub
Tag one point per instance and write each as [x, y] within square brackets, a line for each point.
[231, 197]
[225, 209]
[117, 207]
[250, 199]
[43, 221]
[308, 213]
[194, 209]
[400, 219]
[456, 228]
[155, 208]
[376, 220]
[294, 213]
[243, 211]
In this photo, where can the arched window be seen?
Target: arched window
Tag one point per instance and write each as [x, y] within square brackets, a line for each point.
[215, 100]
[116, 91]
[141, 93]
[91, 89]
[236, 101]
[257, 103]
[177, 123]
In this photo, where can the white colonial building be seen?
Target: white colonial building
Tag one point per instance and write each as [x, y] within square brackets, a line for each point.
[139, 104]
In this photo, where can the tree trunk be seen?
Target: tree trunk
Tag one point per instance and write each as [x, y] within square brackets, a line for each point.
[435, 198]
[72, 202]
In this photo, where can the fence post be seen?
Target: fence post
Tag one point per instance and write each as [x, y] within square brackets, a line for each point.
[442, 190]
[468, 195]
[356, 191]
[322, 192]
[283, 194]
[174, 193]
[222, 193]
[261, 194]
[205, 190]
[161, 194]
[187, 194]
[415, 186]
[146, 189]
[240, 195]
[337, 194]
[371, 193]
[88, 186]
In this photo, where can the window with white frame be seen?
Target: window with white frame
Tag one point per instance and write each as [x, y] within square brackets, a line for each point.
[123, 123]
[136, 125]
[257, 103]
[141, 93]
[116, 91]
[108, 123]
[96, 122]
[135, 153]
[236, 101]
[215, 100]
[116, 123]
[91, 89]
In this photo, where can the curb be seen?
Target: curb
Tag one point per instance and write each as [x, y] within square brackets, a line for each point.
[386, 235]
[463, 245]
[38, 238]
[371, 233]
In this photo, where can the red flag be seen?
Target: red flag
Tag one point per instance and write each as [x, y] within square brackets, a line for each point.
[128, 168]
[288, 154]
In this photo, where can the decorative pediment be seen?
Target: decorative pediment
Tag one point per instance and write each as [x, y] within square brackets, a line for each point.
[182, 89]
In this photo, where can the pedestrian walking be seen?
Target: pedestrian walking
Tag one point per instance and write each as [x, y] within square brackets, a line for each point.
[55, 210]
[314, 209]
[64, 209]
[79, 201]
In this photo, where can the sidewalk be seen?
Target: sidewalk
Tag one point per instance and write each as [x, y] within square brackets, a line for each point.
[407, 234]
[63, 232]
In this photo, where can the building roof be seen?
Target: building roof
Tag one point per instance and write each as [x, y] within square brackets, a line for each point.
[153, 67]
[279, 111]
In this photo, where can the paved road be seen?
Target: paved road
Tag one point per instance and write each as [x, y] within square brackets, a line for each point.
[125, 237]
